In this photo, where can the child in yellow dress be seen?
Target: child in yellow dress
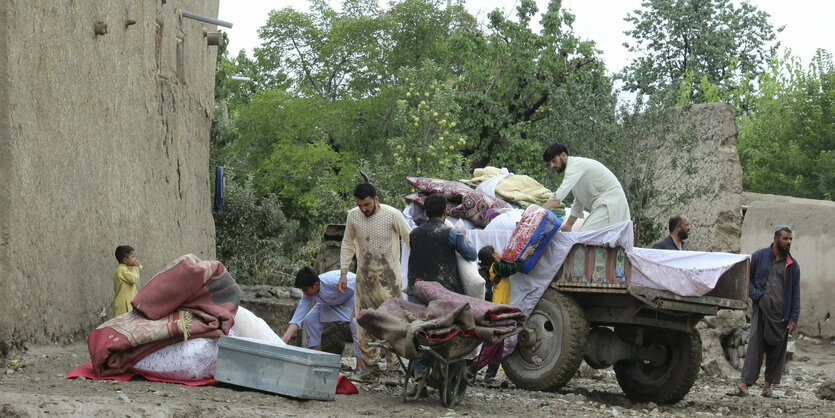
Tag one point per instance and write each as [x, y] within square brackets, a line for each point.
[124, 279]
[497, 275]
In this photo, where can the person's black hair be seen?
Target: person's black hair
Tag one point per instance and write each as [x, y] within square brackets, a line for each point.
[306, 277]
[485, 256]
[675, 221]
[780, 229]
[553, 150]
[364, 190]
[123, 252]
[435, 205]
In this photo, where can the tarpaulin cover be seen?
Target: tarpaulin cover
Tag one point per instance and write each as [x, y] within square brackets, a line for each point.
[86, 370]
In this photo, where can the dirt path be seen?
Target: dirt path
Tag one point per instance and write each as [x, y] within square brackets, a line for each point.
[35, 386]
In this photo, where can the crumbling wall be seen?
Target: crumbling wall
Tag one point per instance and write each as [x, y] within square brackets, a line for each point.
[813, 226]
[715, 217]
[105, 110]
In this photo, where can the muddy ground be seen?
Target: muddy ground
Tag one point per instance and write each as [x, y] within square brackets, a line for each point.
[35, 386]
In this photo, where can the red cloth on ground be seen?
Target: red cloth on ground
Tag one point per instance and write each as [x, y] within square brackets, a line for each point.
[86, 370]
[191, 298]
[344, 386]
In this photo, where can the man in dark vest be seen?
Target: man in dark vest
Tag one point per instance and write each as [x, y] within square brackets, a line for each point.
[433, 248]
[679, 231]
[774, 289]
[432, 259]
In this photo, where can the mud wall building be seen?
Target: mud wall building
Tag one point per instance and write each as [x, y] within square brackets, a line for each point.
[105, 110]
[718, 224]
[715, 216]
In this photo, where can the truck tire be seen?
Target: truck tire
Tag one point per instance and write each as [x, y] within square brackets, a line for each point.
[669, 381]
[559, 329]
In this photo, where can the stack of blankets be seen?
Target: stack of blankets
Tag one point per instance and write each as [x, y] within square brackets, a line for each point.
[190, 298]
[520, 189]
[496, 191]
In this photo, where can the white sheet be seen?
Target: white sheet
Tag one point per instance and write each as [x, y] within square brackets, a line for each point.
[686, 273]
[249, 325]
[507, 220]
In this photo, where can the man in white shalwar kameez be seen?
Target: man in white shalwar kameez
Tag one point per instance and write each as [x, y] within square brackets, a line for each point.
[595, 189]
[372, 232]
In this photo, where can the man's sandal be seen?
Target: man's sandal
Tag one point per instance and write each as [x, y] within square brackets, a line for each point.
[770, 394]
[737, 392]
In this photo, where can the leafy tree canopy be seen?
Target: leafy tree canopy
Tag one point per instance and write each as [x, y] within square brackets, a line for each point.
[787, 142]
[710, 39]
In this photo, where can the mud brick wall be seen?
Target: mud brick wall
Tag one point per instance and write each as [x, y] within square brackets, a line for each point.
[105, 110]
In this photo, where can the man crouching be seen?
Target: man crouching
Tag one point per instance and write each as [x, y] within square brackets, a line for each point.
[331, 313]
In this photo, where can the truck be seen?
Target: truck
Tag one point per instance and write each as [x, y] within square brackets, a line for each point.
[592, 312]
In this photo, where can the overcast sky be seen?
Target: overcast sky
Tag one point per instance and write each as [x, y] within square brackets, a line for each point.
[808, 23]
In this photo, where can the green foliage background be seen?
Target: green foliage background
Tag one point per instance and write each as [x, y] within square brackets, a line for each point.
[419, 88]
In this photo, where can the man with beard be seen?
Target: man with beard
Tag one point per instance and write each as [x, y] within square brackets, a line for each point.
[595, 189]
[679, 231]
[372, 233]
[774, 289]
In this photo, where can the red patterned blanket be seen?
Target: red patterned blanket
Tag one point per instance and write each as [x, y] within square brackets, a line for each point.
[189, 298]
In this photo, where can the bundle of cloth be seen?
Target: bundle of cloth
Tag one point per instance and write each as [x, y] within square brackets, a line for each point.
[520, 189]
[463, 202]
[444, 317]
[189, 299]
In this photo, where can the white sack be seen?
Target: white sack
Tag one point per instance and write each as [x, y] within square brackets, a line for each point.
[248, 325]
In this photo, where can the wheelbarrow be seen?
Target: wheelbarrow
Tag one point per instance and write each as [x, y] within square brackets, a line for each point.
[447, 371]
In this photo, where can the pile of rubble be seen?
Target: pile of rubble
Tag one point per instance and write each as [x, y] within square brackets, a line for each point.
[735, 345]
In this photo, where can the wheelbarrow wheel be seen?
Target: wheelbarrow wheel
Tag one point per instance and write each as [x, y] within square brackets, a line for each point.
[455, 384]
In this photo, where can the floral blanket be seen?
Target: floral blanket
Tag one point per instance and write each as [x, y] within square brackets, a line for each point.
[190, 298]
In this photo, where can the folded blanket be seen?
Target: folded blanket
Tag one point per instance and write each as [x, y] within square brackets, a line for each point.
[516, 188]
[190, 298]
[447, 315]
[493, 321]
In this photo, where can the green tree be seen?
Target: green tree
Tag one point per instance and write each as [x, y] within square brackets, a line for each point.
[506, 79]
[425, 138]
[253, 233]
[331, 54]
[710, 39]
[787, 144]
[291, 140]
